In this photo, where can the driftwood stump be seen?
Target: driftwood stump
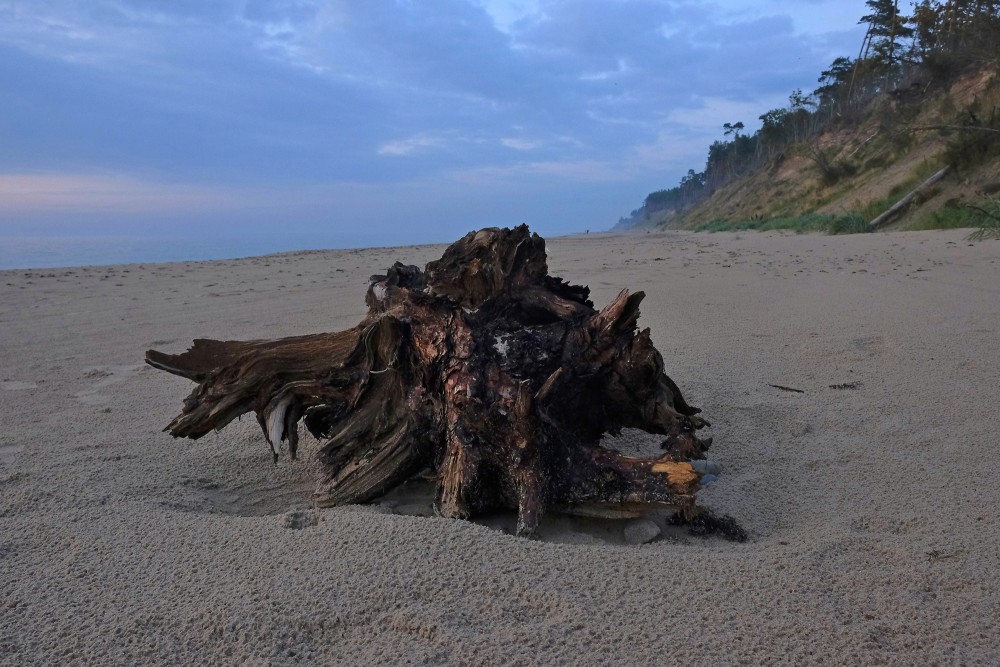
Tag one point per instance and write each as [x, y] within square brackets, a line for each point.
[482, 368]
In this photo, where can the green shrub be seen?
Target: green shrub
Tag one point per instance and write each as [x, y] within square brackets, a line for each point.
[851, 223]
[988, 218]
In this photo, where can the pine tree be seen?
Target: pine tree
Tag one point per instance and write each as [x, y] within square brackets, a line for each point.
[888, 29]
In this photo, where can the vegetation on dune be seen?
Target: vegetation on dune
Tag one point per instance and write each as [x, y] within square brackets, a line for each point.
[810, 222]
[921, 95]
[988, 219]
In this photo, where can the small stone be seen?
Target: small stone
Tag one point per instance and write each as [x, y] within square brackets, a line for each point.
[706, 467]
[641, 531]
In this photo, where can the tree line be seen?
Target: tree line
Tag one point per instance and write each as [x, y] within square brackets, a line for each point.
[900, 55]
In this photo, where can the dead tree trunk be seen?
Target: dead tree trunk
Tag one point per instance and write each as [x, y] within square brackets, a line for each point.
[497, 376]
[896, 208]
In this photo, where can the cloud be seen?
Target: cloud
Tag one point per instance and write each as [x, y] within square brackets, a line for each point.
[621, 69]
[420, 142]
[27, 193]
[509, 15]
[582, 171]
[233, 97]
[520, 144]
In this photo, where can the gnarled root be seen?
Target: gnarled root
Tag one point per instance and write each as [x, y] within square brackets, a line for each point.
[499, 377]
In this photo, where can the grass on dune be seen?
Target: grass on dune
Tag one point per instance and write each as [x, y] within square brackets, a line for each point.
[811, 222]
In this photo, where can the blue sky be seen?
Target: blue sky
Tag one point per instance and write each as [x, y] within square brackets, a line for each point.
[326, 123]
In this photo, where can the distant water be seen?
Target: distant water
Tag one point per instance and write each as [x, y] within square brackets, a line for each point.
[24, 252]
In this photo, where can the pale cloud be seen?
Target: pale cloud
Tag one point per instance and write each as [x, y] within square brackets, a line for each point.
[707, 115]
[123, 196]
[46, 33]
[570, 141]
[608, 74]
[506, 14]
[520, 144]
[560, 142]
[686, 132]
[670, 150]
[618, 120]
[582, 171]
[112, 193]
[414, 144]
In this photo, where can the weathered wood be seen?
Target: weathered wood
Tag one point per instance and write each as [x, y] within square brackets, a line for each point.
[483, 368]
[893, 210]
[955, 128]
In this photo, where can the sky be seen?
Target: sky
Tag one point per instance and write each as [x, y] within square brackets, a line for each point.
[326, 123]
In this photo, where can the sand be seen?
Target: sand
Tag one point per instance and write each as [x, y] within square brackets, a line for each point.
[871, 498]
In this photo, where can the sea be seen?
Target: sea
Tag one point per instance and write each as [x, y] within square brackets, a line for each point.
[36, 252]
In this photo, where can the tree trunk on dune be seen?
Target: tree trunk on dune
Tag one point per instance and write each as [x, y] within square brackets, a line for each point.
[896, 208]
[483, 368]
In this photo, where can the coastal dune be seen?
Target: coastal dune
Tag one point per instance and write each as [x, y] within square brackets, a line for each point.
[869, 492]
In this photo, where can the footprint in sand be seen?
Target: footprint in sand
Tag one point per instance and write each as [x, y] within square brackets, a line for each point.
[105, 377]
[261, 497]
[8, 453]
[14, 385]
[875, 345]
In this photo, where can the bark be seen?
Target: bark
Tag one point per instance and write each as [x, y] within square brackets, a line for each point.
[498, 377]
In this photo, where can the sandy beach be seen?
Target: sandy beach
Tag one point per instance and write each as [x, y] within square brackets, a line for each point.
[870, 495]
